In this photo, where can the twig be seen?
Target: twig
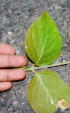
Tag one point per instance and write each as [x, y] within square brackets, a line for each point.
[64, 26]
[65, 46]
[21, 43]
[53, 65]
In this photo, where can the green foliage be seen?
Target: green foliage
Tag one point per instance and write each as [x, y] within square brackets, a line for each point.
[43, 45]
[43, 41]
[45, 90]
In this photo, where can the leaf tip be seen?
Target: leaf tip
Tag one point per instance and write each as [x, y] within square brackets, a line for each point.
[44, 13]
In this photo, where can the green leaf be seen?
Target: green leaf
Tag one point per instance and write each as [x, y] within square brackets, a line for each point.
[46, 90]
[43, 41]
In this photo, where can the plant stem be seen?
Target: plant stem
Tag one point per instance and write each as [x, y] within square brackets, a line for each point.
[53, 65]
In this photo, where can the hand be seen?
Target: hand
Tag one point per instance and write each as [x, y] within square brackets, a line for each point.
[9, 59]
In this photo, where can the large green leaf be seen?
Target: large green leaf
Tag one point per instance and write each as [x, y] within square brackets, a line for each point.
[46, 90]
[43, 41]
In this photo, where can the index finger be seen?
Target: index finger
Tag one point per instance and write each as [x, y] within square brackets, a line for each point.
[7, 49]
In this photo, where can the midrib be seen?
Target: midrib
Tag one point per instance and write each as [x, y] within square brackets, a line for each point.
[41, 51]
[43, 46]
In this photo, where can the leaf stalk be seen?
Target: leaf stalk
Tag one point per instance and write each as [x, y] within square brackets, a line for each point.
[32, 68]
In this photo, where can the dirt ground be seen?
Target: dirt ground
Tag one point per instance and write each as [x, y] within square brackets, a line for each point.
[16, 16]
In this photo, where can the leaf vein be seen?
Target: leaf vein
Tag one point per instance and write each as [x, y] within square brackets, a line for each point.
[42, 48]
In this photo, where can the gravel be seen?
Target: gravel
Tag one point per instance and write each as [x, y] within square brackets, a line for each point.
[16, 16]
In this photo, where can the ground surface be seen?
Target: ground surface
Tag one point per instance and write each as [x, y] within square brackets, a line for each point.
[15, 18]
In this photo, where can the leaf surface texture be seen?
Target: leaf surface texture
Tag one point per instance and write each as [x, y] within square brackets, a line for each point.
[45, 90]
[43, 41]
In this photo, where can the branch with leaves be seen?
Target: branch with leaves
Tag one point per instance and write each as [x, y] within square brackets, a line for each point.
[43, 44]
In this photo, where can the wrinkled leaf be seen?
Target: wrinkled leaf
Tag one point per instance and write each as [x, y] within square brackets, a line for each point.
[43, 41]
[46, 90]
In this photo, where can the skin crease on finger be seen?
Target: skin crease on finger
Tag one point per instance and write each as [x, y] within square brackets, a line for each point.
[12, 75]
[12, 61]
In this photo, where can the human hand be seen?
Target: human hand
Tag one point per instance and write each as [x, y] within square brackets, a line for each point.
[9, 59]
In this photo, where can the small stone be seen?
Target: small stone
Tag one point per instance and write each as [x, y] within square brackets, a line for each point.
[15, 103]
[26, 17]
[10, 33]
[56, 7]
[63, 60]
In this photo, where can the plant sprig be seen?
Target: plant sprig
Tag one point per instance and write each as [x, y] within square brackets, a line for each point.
[43, 44]
[42, 67]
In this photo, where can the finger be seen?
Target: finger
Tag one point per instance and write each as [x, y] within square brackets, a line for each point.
[7, 49]
[5, 86]
[12, 61]
[12, 74]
